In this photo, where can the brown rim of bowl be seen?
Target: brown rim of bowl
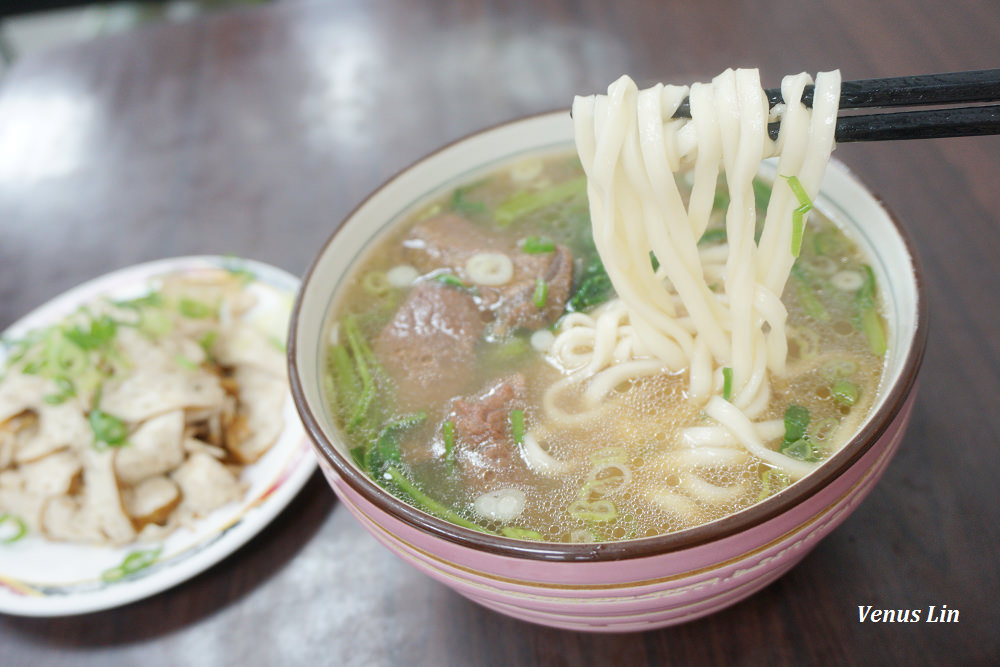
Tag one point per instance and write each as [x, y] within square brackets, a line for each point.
[626, 549]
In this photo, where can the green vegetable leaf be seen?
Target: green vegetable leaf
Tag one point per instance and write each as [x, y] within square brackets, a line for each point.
[528, 201]
[100, 333]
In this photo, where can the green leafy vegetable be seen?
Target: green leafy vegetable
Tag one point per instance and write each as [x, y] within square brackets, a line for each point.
[100, 333]
[528, 201]
[426, 503]
[448, 435]
[595, 287]
[460, 202]
[538, 245]
[385, 448]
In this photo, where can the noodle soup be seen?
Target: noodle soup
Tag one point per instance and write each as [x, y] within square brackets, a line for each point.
[454, 368]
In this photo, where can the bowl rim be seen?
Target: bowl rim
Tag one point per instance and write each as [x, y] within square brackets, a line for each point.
[681, 540]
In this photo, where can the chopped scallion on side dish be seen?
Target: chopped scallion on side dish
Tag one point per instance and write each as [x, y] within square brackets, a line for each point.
[20, 528]
[194, 309]
[135, 561]
[109, 431]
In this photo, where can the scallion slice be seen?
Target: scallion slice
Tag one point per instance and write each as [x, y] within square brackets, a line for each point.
[798, 215]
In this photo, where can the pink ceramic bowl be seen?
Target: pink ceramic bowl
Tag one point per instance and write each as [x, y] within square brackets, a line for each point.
[637, 584]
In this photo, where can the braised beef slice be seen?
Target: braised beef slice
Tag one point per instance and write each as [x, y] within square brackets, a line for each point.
[487, 456]
[448, 241]
[427, 348]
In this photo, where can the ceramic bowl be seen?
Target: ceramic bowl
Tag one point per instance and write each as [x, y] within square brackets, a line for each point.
[635, 584]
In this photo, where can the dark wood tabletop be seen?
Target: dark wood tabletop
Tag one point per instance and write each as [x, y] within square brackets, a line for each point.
[254, 132]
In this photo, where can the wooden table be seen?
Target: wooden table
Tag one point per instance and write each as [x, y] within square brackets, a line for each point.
[254, 132]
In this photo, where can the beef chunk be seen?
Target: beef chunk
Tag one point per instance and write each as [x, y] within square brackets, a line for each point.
[427, 348]
[485, 450]
[448, 241]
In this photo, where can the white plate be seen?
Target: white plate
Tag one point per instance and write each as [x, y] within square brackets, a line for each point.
[39, 577]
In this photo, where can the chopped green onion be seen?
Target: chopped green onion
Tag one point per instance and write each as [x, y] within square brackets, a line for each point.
[540, 294]
[376, 283]
[66, 390]
[20, 528]
[796, 422]
[801, 450]
[451, 280]
[108, 429]
[100, 333]
[135, 561]
[184, 362]
[593, 510]
[538, 245]
[208, 341]
[151, 300]
[844, 392]
[277, 343]
[727, 383]
[194, 309]
[427, 503]
[517, 425]
[867, 319]
[805, 291]
[528, 201]
[798, 215]
[520, 533]
[772, 481]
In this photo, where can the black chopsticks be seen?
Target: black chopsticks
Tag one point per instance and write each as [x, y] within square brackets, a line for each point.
[923, 90]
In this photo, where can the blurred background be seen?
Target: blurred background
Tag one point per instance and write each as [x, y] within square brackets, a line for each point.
[32, 26]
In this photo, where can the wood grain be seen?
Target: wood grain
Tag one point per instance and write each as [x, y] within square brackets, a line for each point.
[255, 131]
